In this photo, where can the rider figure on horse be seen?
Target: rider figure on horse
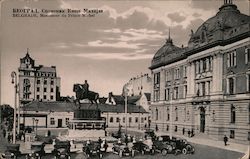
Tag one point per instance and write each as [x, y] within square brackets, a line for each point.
[86, 87]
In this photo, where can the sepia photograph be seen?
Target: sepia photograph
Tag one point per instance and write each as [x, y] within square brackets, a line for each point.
[117, 79]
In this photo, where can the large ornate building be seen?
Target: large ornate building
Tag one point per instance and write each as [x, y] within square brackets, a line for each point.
[37, 82]
[205, 87]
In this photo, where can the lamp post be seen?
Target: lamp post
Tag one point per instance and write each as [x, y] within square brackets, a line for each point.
[171, 115]
[126, 110]
[14, 81]
[36, 125]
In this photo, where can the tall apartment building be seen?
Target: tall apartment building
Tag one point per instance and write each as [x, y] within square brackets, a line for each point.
[205, 87]
[37, 82]
[138, 85]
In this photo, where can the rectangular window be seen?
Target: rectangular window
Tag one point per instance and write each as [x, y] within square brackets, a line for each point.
[197, 67]
[176, 92]
[203, 88]
[38, 82]
[247, 55]
[51, 89]
[167, 93]
[52, 82]
[248, 137]
[37, 97]
[185, 91]
[67, 121]
[52, 121]
[45, 89]
[136, 119]
[129, 119]
[157, 80]
[142, 120]
[51, 97]
[231, 59]
[177, 73]
[168, 75]
[231, 85]
[232, 134]
[44, 97]
[184, 71]
[123, 119]
[156, 95]
[45, 82]
[38, 89]
[117, 120]
[248, 82]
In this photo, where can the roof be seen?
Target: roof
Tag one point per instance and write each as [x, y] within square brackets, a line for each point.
[148, 96]
[102, 100]
[119, 108]
[71, 107]
[225, 21]
[226, 27]
[46, 69]
[119, 99]
[50, 106]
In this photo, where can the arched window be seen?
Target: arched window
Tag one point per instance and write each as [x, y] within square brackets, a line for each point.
[232, 113]
[111, 120]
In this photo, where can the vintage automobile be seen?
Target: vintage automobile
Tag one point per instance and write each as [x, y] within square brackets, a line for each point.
[91, 148]
[62, 150]
[37, 150]
[182, 146]
[164, 147]
[123, 149]
[12, 151]
[143, 148]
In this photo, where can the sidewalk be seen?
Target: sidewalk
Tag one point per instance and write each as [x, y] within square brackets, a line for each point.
[204, 141]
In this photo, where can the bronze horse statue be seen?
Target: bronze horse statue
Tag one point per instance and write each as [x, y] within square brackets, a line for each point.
[81, 93]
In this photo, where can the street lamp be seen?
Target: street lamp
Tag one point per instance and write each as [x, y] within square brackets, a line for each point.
[14, 81]
[36, 125]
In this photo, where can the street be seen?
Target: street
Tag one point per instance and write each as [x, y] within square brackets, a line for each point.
[201, 152]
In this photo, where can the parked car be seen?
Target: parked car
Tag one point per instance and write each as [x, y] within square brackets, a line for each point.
[62, 150]
[164, 147]
[91, 148]
[37, 150]
[12, 151]
[143, 148]
[182, 146]
[123, 149]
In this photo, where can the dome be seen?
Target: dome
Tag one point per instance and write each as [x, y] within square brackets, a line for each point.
[166, 54]
[167, 48]
[228, 22]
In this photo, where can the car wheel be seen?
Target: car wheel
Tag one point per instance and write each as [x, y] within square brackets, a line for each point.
[184, 151]
[152, 151]
[170, 148]
[164, 152]
[69, 157]
[120, 153]
[55, 157]
[14, 157]
[100, 155]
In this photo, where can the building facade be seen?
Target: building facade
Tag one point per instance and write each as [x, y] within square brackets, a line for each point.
[37, 82]
[138, 85]
[205, 87]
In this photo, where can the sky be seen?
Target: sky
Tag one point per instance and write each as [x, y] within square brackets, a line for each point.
[107, 49]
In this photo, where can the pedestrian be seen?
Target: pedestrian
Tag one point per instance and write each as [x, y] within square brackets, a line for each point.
[126, 139]
[225, 140]
[189, 133]
[4, 133]
[183, 131]
[192, 132]
[9, 137]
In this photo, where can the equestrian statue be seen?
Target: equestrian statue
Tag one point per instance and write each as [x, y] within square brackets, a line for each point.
[82, 92]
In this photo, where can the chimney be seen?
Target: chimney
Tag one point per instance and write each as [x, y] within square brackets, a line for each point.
[110, 96]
